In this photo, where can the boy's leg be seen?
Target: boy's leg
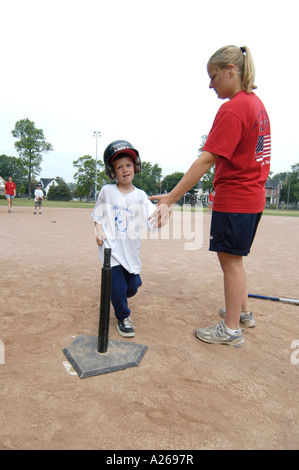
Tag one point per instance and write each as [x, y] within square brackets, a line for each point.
[119, 293]
[133, 283]
[235, 288]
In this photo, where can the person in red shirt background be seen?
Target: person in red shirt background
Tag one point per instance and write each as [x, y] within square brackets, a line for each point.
[239, 144]
[10, 192]
[210, 201]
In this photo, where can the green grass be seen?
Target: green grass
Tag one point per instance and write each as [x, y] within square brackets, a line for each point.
[275, 212]
[83, 205]
[66, 204]
[283, 212]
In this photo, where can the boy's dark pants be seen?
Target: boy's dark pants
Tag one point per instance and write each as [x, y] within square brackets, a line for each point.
[123, 285]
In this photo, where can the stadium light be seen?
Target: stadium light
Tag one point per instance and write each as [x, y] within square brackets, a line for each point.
[96, 135]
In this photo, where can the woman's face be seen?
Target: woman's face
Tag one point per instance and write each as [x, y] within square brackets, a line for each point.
[226, 81]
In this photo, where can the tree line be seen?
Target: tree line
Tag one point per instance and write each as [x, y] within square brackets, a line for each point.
[31, 145]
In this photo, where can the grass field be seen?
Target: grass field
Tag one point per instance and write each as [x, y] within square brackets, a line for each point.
[24, 202]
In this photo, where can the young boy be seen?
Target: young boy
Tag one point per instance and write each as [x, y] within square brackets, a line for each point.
[38, 198]
[119, 214]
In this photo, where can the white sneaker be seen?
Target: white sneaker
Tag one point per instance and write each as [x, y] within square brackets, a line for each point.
[125, 328]
[245, 318]
[219, 335]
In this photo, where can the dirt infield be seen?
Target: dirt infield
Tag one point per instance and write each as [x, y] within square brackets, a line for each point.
[185, 394]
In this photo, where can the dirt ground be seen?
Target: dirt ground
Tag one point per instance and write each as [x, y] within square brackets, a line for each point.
[184, 394]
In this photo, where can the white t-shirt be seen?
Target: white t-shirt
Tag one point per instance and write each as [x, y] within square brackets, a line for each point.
[38, 193]
[122, 216]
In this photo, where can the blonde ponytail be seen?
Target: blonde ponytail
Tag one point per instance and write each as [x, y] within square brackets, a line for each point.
[248, 76]
[241, 57]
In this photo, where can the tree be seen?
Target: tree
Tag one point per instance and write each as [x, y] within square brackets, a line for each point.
[52, 194]
[13, 166]
[290, 186]
[85, 176]
[61, 192]
[170, 181]
[30, 146]
[149, 178]
[203, 141]
[208, 178]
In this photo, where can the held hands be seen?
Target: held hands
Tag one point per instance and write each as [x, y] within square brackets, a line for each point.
[161, 215]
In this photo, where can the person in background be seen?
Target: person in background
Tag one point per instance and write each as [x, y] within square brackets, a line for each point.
[38, 198]
[210, 202]
[10, 192]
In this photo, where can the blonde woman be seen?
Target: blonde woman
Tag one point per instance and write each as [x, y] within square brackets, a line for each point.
[239, 144]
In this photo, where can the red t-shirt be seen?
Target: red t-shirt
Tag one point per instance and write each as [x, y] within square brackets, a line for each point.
[10, 188]
[241, 136]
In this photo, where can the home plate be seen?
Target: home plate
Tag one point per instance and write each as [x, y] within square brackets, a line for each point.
[83, 355]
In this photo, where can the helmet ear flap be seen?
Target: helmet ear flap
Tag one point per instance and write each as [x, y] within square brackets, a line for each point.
[110, 171]
[138, 165]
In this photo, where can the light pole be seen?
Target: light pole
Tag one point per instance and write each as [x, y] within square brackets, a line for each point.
[96, 135]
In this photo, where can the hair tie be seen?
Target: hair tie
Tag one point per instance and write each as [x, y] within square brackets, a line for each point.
[242, 50]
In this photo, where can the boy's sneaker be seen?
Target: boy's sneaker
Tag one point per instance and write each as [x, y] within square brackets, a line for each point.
[245, 318]
[125, 327]
[219, 335]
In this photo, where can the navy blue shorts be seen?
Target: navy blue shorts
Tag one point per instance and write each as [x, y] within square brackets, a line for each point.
[233, 232]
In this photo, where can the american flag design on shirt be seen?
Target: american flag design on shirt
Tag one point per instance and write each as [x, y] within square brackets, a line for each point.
[263, 149]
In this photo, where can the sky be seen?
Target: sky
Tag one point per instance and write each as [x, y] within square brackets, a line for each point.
[136, 70]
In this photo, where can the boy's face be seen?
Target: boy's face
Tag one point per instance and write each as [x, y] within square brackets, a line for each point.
[124, 170]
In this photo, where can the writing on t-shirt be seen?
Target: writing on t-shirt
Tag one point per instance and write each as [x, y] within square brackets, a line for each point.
[121, 217]
[263, 146]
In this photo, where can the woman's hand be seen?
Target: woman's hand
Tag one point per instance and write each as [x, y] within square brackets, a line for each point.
[161, 215]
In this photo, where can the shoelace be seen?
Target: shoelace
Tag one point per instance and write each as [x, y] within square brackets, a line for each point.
[128, 323]
[218, 330]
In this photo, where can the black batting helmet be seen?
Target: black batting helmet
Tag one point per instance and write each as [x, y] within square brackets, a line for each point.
[115, 149]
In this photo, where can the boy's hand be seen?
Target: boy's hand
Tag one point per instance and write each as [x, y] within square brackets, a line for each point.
[100, 234]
